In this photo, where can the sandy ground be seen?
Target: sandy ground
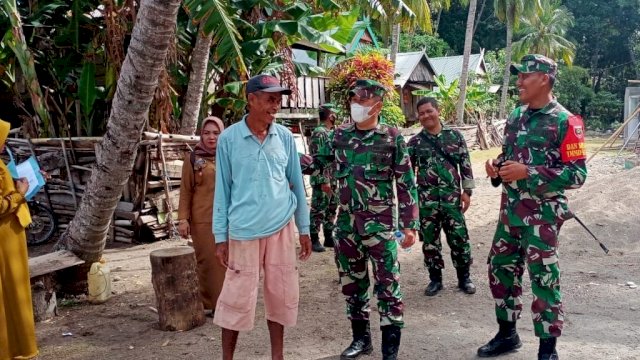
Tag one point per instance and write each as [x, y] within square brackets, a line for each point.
[602, 313]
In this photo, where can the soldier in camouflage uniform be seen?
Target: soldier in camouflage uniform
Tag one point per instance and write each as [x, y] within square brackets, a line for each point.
[368, 157]
[441, 157]
[543, 155]
[323, 187]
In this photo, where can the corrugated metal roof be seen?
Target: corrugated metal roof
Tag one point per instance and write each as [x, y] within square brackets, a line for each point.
[406, 64]
[451, 66]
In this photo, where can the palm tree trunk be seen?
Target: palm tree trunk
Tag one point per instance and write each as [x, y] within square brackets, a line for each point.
[479, 15]
[16, 41]
[468, 41]
[152, 34]
[395, 40]
[437, 25]
[507, 72]
[195, 89]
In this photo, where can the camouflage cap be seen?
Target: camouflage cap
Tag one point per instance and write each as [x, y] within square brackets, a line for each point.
[534, 63]
[326, 109]
[328, 106]
[369, 86]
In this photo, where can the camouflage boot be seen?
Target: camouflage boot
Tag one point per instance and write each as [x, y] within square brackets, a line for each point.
[315, 243]
[434, 287]
[547, 349]
[328, 238]
[390, 342]
[505, 341]
[361, 344]
[464, 281]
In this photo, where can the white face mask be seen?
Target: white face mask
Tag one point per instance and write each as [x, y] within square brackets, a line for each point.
[360, 113]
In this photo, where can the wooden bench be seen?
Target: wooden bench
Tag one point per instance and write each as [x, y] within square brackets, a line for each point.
[41, 270]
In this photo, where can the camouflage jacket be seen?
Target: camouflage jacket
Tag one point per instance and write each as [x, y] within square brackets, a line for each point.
[319, 138]
[550, 141]
[367, 162]
[438, 177]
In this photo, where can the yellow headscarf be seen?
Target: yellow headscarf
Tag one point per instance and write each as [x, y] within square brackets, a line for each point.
[22, 213]
[5, 127]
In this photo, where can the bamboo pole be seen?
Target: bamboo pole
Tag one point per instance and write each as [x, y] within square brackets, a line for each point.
[71, 184]
[165, 178]
[615, 134]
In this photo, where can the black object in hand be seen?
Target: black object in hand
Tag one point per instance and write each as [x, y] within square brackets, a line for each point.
[497, 180]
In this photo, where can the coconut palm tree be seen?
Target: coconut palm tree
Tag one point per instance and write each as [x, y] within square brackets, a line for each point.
[152, 34]
[14, 38]
[394, 15]
[216, 25]
[468, 41]
[544, 33]
[510, 12]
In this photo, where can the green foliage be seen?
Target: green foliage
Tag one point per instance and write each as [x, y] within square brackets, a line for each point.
[418, 41]
[447, 96]
[573, 88]
[479, 101]
[365, 64]
[604, 110]
[495, 61]
[88, 94]
[604, 31]
[544, 33]
[391, 113]
[218, 18]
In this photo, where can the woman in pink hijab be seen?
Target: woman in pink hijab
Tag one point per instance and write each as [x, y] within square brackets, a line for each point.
[196, 207]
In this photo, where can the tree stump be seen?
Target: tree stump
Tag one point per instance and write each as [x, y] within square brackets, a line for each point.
[43, 295]
[173, 274]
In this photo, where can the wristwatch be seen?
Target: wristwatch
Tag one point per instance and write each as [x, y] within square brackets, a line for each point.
[468, 192]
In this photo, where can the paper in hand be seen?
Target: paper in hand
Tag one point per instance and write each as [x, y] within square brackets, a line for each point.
[30, 170]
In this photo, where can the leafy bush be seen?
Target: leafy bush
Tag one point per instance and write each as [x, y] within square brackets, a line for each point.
[365, 64]
[604, 110]
[572, 88]
[433, 45]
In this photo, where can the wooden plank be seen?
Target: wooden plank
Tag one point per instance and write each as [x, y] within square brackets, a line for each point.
[123, 239]
[123, 223]
[171, 138]
[296, 116]
[122, 231]
[124, 206]
[51, 262]
[146, 219]
[129, 215]
[154, 184]
[80, 167]
[323, 90]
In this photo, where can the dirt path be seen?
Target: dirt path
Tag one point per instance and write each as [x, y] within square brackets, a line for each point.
[602, 314]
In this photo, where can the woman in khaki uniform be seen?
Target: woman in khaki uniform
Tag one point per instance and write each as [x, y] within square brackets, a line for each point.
[17, 329]
[196, 207]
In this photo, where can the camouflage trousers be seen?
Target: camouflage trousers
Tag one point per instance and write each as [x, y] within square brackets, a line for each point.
[354, 252]
[537, 246]
[323, 209]
[434, 218]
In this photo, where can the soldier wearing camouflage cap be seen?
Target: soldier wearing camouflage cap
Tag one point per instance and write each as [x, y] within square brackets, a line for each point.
[543, 155]
[445, 183]
[369, 157]
[323, 187]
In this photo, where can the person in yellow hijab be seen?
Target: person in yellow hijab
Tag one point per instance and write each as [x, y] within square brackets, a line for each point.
[17, 327]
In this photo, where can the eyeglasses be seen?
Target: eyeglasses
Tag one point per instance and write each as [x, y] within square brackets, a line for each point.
[363, 93]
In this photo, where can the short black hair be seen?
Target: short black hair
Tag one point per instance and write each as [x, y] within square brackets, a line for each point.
[428, 100]
[324, 113]
[552, 80]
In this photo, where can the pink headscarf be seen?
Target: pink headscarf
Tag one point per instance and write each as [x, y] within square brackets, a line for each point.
[202, 150]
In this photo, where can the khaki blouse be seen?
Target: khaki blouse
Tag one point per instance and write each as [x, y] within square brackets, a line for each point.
[196, 190]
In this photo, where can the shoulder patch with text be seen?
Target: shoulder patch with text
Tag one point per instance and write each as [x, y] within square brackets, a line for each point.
[572, 147]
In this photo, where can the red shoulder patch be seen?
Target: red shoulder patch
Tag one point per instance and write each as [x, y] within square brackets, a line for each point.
[572, 147]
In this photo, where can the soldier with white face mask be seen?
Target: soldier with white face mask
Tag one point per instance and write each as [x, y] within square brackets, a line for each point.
[368, 157]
